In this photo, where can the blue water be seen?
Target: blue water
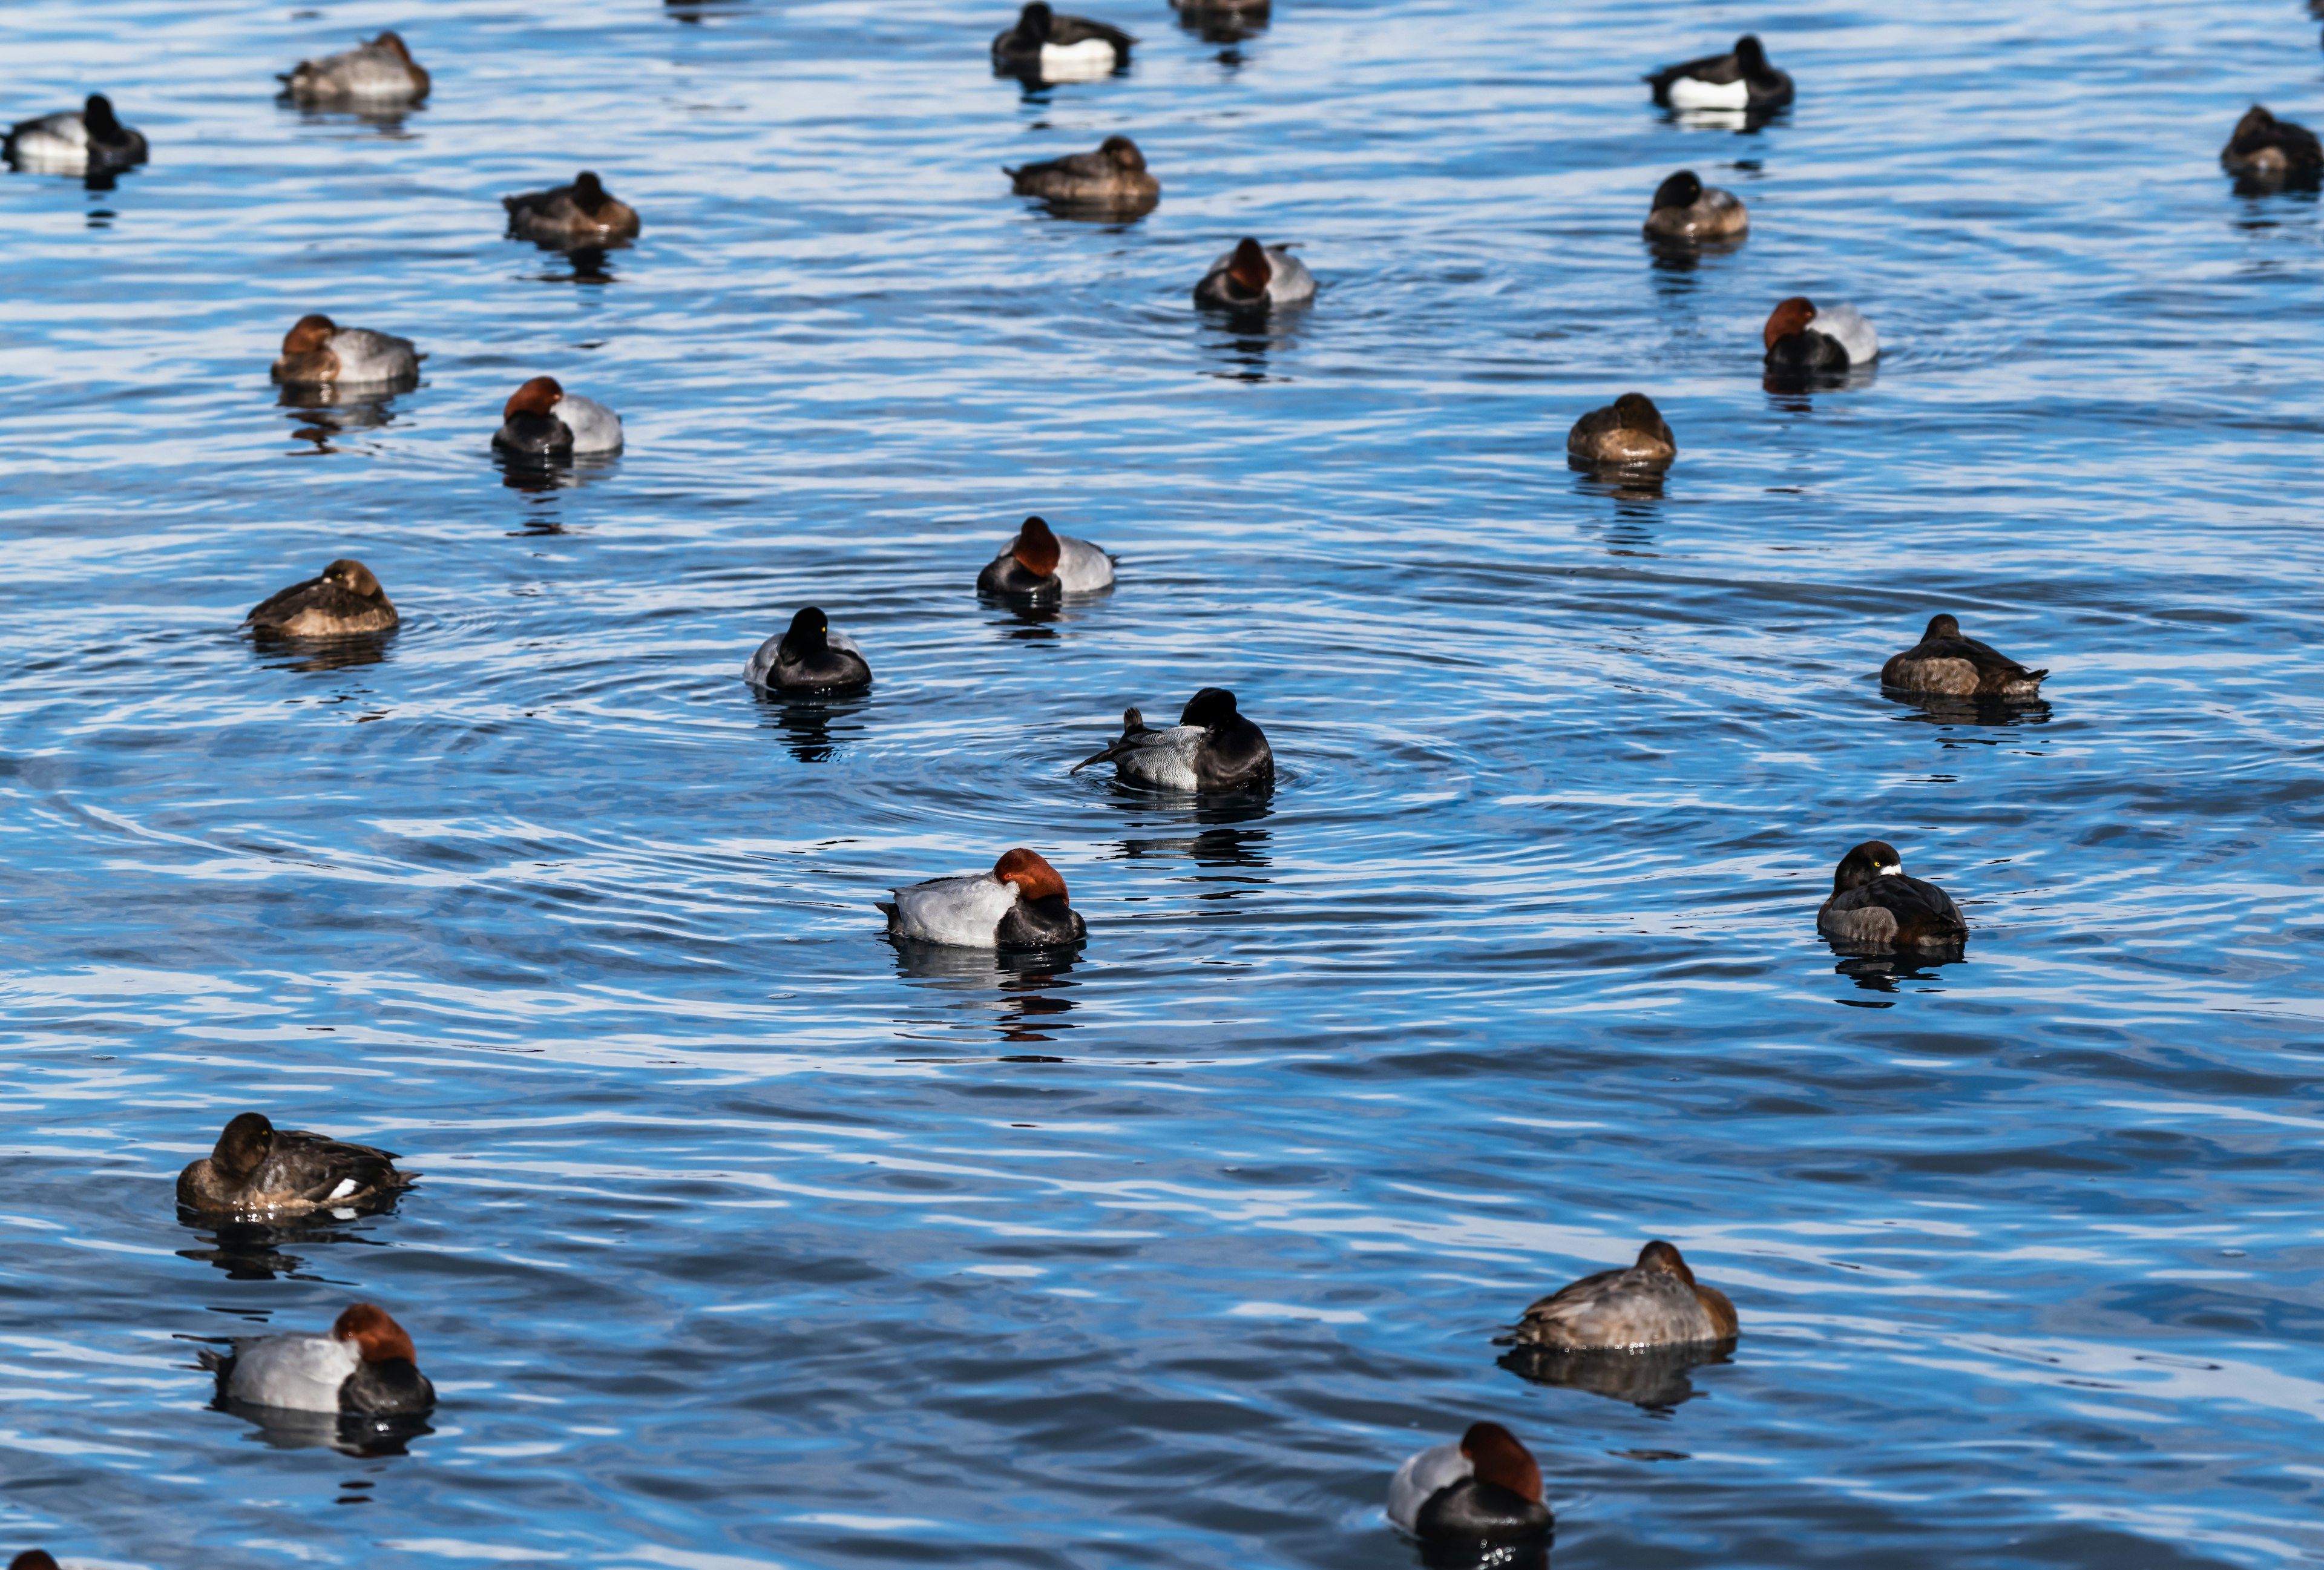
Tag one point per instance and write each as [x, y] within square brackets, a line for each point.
[745, 1240]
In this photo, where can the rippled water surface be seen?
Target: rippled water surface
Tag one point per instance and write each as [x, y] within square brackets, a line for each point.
[747, 1241]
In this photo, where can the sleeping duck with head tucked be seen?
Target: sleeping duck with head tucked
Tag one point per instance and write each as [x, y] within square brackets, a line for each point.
[346, 601]
[1875, 909]
[1214, 747]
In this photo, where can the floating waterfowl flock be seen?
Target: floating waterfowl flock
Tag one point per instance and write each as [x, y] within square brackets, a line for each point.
[1482, 1491]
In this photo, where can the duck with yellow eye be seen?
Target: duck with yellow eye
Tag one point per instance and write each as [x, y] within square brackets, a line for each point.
[1687, 212]
[346, 601]
[1875, 909]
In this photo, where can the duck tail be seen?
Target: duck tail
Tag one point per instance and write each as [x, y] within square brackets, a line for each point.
[1112, 749]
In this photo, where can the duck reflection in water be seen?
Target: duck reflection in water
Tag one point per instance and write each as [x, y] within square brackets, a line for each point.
[317, 654]
[815, 728]
[254, 1250]
[358, 1433]
[1943, 710]
[1656, 1377]
[1246, 343]
[539, 473]
[1029, 980]
[1505, 1556]
[320, 415]
[1884, 973]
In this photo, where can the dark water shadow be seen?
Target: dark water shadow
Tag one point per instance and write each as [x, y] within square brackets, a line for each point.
[1533, 1555]
[348, 1433]
[693, 13]
[1793, 392]
[1115, 218]
[1656, 1377]
[1245, 339]
[1944, 710]
[1882, 974]
[536, 474]
[1673, 263]
[590, 265]
[284, 653]
[1022, 988]
[322, 413]
[1638, 505]
[387, 123]
[814, 728]
[256, 1250]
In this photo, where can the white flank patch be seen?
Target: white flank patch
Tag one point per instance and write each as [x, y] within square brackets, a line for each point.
[1688, 93]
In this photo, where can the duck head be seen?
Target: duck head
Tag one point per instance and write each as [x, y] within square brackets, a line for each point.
[32, 1559]
[1037, 549]
[1035, 878]
[810, 633]
[309, 335]
[1210, 708]
[1496, 1456]
[589, 193]
[1940, 626]
[1034, 21]
[1875, 858]
[244, 1145]
[98, 118]
[393, 43]
[1682, 189]
[1751, 55]
[1789, 316]
[1123, 154]
[538, 396]
[354, 577]
[1664, 1258]
[1249, 269]
[1636, 412]
[376, 1336]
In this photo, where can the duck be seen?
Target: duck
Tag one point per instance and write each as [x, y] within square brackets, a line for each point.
[1657, 1302]
[317, 351]
[2267, 151]
[1020, 903]
[1686, 209]
[1213, 747]
[542, 420]
[576, 216]
[1945, 661]
[379, 71]
[809, 657]
[1042, 568]
[1740, 79]
[1114, 176]
[256, 1167]
[1256, 277]
[1481, 1492]
[364, 1364]
[91, 140]
[1875, 904]
[344, 602]
[1629, 432]
[34, 1559]
[1059, 49]
[1801, 336]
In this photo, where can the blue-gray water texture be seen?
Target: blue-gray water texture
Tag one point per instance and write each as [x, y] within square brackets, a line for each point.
[745, 1240]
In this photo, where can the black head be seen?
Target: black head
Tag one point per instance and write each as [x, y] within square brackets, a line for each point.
[1940, 626]
[1210, 708]
[1033, 23]
[1124, 153]
[1750, 56]
[810, 632]
[1636, 412]
[243, 1145]
[32, 1559]
[1682, 189]
[1870, 859]
[97, 115]
[589, 191]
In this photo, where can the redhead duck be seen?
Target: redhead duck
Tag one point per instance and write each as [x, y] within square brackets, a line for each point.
[583, 215]
[2266, 152]
[364, 1363]
[1482, 1491]
[1020, 903]
[1050, 48]
[87, 140]
[1213, 747]
[1803, 336]
[379, 72]
[1114, 176]
[809, 657]
[344, 602]
[318, 352]
[1687, 210]
[1629, 433]
[257, 1167]
[542, 420]
[1655, 1302]
[1741, 79]
[1944, 661]
[1256, 277]
[1873, 904]
[1041, 567]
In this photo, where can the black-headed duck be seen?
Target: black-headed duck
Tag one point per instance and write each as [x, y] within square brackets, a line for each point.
[1482, 1491]
[1627, 433]
[1020, 903]
[1945, 661]
[1040, 568]
[1688, 211]
[1657, 1302]
[256, 1169]
[809, 657]
[1050, 48]
[345, 601]
[1876, 907]
[2268, 151]
[1214, 747]
[1254, 277]
[89, 139]
[583, 215]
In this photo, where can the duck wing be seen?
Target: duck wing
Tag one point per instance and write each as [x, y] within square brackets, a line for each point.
[1072, 30]
[319, 1168]
[1718, 69]
[281, 605]
[1135, 735]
